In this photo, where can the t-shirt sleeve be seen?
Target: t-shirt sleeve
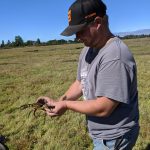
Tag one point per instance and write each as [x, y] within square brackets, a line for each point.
[80, 63]
[114, 81]
[79, 70]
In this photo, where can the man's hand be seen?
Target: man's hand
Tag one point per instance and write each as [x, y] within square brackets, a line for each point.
[44, 100]
[58, 108]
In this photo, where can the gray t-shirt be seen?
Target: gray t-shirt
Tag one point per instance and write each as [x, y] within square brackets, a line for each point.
[112, 74]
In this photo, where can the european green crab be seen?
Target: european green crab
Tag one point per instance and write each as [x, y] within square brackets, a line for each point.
[39, 105]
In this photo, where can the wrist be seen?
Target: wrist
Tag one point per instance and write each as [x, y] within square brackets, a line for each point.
[64, 103]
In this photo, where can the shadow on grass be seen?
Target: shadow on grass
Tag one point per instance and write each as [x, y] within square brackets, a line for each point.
[79, 47]
[73, 60]
[147, 147]
[12, 63]
[36, 50]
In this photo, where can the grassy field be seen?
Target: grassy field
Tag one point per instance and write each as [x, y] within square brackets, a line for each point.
[29, 72]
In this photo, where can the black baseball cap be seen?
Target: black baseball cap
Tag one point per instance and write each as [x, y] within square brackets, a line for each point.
[82, 12]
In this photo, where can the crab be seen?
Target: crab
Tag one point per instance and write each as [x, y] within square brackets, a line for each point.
[39, 105]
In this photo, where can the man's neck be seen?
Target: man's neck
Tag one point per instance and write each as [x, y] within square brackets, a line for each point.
[101, 43]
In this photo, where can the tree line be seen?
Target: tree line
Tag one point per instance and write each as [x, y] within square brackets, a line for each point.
[19, 42]
[135, 36]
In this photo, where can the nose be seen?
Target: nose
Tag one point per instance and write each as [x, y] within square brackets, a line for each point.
[78, 36]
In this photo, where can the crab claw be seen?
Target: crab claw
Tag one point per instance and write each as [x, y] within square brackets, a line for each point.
[34, 112]
[41, 102]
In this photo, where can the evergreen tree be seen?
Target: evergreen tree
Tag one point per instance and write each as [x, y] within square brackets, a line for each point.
[30, 43]
[3, 44]
[8, 43]
[19, 41]
[38, 42]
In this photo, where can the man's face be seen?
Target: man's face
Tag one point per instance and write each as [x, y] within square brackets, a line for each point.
[88, 35]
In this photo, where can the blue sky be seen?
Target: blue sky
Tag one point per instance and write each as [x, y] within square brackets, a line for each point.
[46, 19]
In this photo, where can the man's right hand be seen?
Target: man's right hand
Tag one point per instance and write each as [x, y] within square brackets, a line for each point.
[45, 101]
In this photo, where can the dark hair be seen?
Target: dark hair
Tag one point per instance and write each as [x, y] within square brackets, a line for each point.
[102, 8]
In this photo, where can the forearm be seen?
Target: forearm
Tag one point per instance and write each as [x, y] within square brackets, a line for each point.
[92, 107]
[85, 107]
[74, 92]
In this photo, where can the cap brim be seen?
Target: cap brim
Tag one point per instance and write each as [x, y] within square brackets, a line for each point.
[70, 30]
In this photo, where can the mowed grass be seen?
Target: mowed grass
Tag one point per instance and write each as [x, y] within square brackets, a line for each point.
[29, 72]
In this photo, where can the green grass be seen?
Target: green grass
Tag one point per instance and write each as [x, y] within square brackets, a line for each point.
[29, 72]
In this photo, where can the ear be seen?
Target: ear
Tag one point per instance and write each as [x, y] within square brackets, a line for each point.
[98, 21]
[98, 26]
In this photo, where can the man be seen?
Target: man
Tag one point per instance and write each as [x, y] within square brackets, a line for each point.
[106, 78]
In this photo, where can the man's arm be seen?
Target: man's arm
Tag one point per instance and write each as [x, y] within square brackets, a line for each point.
[100, 107]
[74, 92]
